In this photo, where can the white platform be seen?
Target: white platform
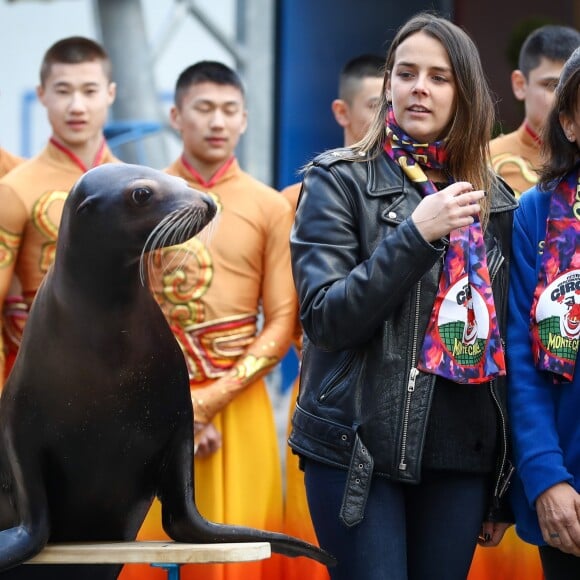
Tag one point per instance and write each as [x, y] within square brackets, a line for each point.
[150, 553]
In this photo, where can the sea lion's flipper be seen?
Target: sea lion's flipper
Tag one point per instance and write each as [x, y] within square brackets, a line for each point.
[29, 533]
[196, 529]
[183, 522]
[17, 545]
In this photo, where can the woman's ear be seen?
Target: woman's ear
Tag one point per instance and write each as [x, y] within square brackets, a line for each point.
[567, 125]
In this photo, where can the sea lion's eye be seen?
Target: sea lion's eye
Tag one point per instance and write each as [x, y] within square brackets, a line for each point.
[141, 194]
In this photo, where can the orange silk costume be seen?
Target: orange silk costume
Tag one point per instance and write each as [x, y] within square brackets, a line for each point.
[297, 521]
[8, 161]
[211, 290]
[516, 157]
[32, 197]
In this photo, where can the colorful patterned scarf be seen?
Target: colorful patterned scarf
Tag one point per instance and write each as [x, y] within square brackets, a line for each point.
[462, 341]
[555, 313]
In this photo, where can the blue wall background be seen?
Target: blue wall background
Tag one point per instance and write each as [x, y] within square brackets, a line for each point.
[315, 39]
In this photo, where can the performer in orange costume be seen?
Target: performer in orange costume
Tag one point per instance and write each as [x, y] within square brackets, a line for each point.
[359, 89]
[230, 300]
[516, 157]
[8, 161]
[76, 90]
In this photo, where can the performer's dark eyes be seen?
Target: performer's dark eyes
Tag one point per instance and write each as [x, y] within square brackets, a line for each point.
[141, 194]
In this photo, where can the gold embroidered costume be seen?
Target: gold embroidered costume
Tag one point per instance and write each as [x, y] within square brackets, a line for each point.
[516, 157]
[8, 161]
[32, 197]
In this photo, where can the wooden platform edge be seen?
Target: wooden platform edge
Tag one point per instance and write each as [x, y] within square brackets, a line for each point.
[150, 553]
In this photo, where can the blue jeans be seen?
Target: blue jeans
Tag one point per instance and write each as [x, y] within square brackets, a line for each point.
[409, 532]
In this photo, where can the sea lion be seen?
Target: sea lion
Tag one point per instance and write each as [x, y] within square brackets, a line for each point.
[96, 416]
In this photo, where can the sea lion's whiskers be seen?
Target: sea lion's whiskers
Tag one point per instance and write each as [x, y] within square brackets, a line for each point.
[154, 241]
[205, 236]
[173, 230]
[189, 223]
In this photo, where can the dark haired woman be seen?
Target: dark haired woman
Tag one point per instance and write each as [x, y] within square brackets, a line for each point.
[400, 261]
[544, 329]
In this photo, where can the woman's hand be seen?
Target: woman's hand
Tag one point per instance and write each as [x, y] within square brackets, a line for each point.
[207, 439]
[558, 511]
[453, 207]
[492, 533]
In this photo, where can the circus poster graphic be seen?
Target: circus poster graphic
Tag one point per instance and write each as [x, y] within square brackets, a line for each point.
[558, 315]
[464, 323]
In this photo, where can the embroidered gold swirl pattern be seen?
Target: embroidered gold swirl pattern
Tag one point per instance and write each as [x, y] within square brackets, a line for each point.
[46, 226]
[251, 365]
[182, 287]
[499, 161]
[9, 244]
[182, 292]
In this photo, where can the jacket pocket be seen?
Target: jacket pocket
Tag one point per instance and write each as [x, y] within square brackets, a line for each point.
[337, 377]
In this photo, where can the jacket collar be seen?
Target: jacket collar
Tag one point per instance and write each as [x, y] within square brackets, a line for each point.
[503, 199]
[384, 178]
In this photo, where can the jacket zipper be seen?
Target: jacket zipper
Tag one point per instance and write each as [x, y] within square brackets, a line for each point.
[413, 373]
[496, 269]
[335, 379]
[496, 489]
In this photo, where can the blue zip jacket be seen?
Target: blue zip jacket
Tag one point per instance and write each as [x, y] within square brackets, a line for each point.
[545, 417]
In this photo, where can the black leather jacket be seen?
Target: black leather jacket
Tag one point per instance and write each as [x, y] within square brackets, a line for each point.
[366, 281]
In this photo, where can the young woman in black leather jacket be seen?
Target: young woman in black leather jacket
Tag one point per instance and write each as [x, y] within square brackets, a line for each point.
[400, 252]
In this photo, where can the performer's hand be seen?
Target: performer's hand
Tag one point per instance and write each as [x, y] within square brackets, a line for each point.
[558, 511]
[207, 439]
[453, 207]
[492, 533]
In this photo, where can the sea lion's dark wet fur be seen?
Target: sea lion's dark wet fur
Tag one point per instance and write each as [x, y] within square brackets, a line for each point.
[96, 416]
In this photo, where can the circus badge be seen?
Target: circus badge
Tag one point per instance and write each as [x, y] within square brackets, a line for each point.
[464, 323]
[558, 315]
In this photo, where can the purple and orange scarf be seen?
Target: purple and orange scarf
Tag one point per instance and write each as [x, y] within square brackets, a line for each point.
[462, 341]
[555, 312]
